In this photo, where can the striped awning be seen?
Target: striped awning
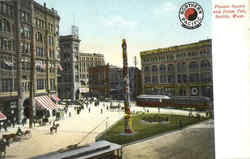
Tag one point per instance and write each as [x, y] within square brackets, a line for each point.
[45, 102]
[2, 116]
[55, 98]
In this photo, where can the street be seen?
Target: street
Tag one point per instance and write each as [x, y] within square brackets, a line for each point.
[87, 125]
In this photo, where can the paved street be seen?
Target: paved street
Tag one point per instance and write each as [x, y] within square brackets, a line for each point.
[71, 131]
[76, 128]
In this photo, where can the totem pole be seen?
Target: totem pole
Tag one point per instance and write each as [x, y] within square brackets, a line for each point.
[126, 88]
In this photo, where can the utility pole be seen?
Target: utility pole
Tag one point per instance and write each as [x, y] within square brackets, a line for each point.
[32, 74]
[135, 84]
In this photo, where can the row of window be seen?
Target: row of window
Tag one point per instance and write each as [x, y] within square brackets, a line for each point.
[6, 85]
[205, 52]
[26, 47]
[25, 17]
[39, 52]
[43, 84]
[181, 67]
[25, 33]
[203, 77]
[4, 25]
[6, 9]
[42, 25]
[6, 44]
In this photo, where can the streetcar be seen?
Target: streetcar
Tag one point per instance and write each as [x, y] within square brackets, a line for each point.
[98, 150]
[178, 102]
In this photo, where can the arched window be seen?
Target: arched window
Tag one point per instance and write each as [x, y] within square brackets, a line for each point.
[4, 25]
[162, 68]
[205, 64]
[154, 68]
[39, 36]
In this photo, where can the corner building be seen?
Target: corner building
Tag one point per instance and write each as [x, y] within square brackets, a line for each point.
[27, 28]
[184, 70]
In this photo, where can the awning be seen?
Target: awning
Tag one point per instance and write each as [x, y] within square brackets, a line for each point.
[55, 98]
[2, 116]
[45, 102]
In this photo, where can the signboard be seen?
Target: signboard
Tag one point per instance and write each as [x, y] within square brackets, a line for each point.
[84, 90]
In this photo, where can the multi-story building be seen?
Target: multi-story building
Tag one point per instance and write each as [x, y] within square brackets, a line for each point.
[69, 78]
[107, 81]
[99, 80]
[115, 74]
[184, 70]
[87, 60]
[135, 84]
[73, 78]
[26, 29]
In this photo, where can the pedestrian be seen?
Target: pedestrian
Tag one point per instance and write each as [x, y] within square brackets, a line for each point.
[101, 110]
[23, 121]
[89, 109]
[69, 114]
[5, 126]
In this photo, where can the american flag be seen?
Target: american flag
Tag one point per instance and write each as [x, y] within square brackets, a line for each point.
[43, 66]
[60, 67]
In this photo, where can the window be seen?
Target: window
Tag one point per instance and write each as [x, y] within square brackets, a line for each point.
[163, 79]
[205, 64]
[171, 79]
[146, 69]
[193, 66]
[25, 33]
[40, 84]
[39, 52]
[194, 77]
[155, 79]
[39, 37]
[4, 25]
[206, 77]
[6, 44]
[7, 85]
[154, 68]
[52, 84]
[25, 17]
[162, 68]
[170, 67]
[147, 79]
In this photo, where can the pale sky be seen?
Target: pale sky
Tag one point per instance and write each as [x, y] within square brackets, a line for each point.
[146, 24]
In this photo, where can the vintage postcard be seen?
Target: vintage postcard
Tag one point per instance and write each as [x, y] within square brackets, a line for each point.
[112, 79]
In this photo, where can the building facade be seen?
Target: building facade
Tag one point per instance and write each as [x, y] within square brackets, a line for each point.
[135, 85]
[28, 31]
[107, 81]
[73, 79]
[87, 60]
[184, 70]
[99, 80]
[69, 75]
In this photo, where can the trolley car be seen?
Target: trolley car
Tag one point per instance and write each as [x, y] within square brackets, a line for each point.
[99, 150]
[181, 102]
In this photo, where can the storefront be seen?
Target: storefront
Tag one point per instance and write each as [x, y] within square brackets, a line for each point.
[8, 106]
